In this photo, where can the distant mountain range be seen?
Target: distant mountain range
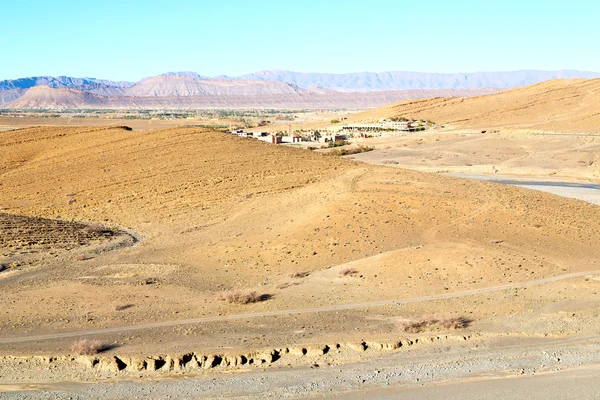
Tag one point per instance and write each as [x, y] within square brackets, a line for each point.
[186, 89]
[368, 81]
[44, 97]
[88, 84]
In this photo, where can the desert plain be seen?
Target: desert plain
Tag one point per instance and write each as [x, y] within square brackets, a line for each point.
[254, 269]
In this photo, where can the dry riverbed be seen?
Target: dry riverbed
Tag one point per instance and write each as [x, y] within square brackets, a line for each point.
[410, 373]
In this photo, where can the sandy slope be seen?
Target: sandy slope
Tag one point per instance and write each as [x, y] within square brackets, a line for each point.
[215, 212]
[568, 105]
[560, 156]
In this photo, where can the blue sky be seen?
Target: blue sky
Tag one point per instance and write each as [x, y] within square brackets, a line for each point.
[129, 40]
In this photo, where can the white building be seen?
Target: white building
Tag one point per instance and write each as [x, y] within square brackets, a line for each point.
[396, 125]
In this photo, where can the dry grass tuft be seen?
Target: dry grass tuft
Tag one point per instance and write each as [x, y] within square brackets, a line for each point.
[347, 272]
[282, 285]
[121, 307]
[433, 322]
[299, 275]
[87, 347]
[94, 227]
[242, 296]
[82, 257]
[351, 150]
[286, 284]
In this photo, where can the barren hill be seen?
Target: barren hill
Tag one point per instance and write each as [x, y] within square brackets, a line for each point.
[214, 212]
[46, 97]
[191, 86]
[559, 105]
[186, 93]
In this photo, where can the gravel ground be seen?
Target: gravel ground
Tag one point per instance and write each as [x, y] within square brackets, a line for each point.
[579, 383]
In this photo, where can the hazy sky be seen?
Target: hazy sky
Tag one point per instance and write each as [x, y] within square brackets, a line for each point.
[130, 39]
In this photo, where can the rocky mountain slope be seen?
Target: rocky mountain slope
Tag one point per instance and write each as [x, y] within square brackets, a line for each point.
[6, 96]
[91, 85]
[168, 85]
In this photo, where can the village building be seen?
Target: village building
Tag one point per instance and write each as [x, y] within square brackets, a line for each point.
[384, 125]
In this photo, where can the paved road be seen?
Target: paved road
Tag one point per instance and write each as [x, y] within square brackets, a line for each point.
[568, 134]
[581, 190]
[341, 307]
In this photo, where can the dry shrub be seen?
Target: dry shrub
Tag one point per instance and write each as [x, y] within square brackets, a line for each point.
[434, 322]
[351, 150]
[242, 296]
[95, 227]
[87, 347]
[347, 272]
[299, 275]
[82, 257]
[121, 307]
[284, 284]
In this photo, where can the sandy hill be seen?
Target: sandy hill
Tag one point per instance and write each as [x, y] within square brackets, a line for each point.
[191, 86]
[46, 97]
[214, 212]
[569, 105]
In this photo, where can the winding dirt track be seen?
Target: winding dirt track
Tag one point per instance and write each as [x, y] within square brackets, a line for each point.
[298, 311]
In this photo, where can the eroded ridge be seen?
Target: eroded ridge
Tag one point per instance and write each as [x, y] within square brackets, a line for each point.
[332, 353]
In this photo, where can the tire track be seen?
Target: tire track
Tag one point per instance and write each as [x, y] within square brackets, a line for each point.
[342, 307]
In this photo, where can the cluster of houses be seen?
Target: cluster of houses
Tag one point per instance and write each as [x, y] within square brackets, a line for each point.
[286, 139]
[384, 126]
